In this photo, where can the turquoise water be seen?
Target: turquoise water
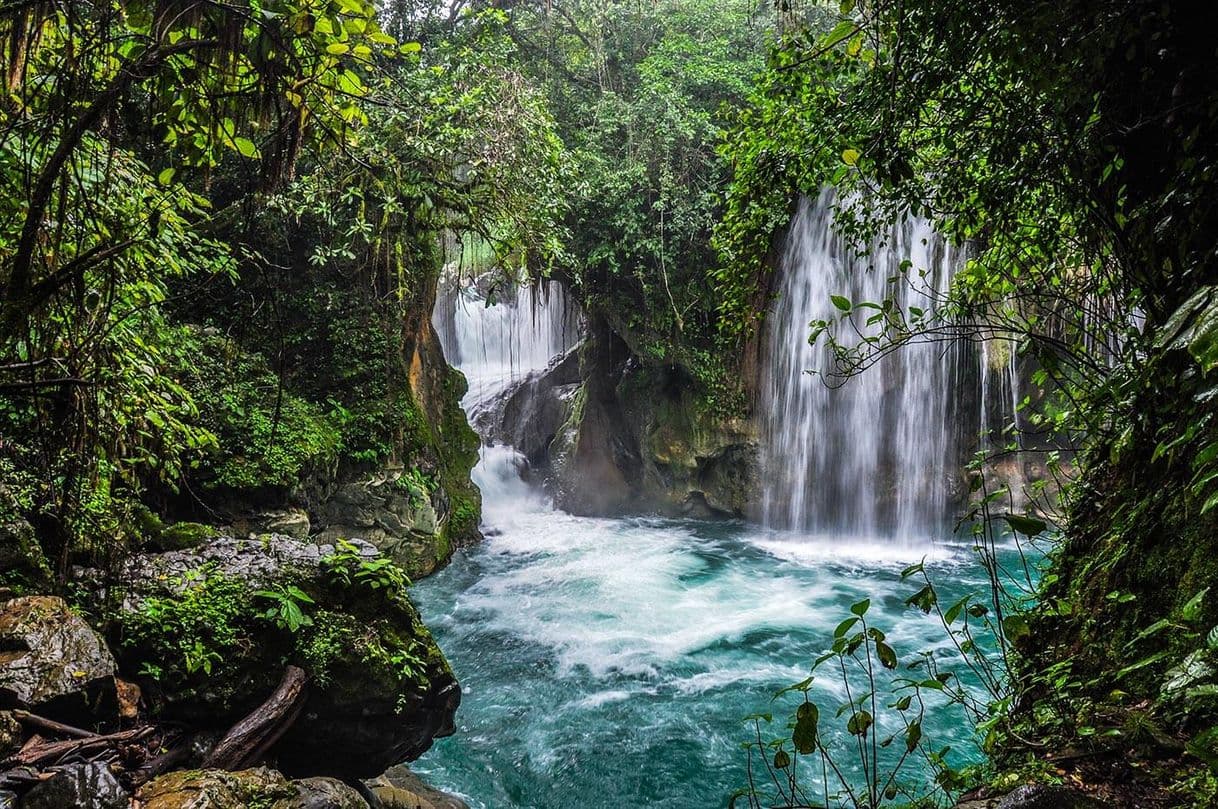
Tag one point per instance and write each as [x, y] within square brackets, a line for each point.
[612, 662]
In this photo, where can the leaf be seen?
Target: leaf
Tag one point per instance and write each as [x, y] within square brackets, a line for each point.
[410, 47]
[860, 608]
[804, 736]
[1028, 526]
[844, 627]
[246, 147]
[925, 599]
[841, 32]
[850, 157]
[913, 736]
[782, 760]
[953, 612]
[802, 685]
[337, 48]
[1191, 611]
[1211, 640]
[841, 303]
[888, 657]
[1015, 627]
[860, 722]
[166, 176]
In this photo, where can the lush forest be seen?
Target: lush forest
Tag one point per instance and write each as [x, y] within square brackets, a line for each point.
[242, 429]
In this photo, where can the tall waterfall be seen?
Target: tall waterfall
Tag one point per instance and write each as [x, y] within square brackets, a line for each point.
[875, 456]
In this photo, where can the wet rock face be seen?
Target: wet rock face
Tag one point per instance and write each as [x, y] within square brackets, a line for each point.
[529, 415]
[649, 444]
[51, 661]
[364, 715]
[392, 514]
[86, 786]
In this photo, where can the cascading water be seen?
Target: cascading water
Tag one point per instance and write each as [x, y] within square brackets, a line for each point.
[498, 342]
[871, 457]
[610, 662]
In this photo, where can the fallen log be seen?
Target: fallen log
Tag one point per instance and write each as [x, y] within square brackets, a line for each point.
[248, 741]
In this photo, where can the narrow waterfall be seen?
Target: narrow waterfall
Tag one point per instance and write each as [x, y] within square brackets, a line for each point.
[875, 456]
[498, 341]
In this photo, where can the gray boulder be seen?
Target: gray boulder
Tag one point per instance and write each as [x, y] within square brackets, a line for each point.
[365, 711]
[325, 793]
[53, 662]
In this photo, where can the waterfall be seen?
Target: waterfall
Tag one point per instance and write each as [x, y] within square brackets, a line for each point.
[875, 456]
[498, 340]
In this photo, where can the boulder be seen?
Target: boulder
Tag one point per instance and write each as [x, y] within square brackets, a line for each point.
[51, 661]
[325, 793]
[1046, 796]
[85, 786]
[380, 688]
[394, 514]
[399, 788]
[217, 789]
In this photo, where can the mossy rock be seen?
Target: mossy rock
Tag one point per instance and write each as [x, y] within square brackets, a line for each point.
[381, 689]
[258, 788]
[184, 536]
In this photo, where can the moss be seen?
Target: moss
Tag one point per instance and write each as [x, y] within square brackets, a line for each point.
[183, 536]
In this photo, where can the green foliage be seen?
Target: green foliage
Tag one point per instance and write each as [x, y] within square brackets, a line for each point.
[288, 604]
[639, 92]
[843, 757]
[267, 437]
[201, 625]
[350, 569]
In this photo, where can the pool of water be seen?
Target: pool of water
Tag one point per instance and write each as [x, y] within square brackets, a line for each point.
[612, 662]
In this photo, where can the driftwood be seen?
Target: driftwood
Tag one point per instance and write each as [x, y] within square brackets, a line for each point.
[38, 752]
[248, 741]
[27, 718]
